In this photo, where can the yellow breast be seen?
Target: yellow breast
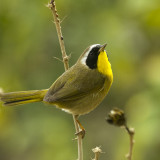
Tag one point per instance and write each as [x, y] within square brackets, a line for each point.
[104, 66]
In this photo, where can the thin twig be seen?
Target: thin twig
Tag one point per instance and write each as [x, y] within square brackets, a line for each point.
[52, 6]
[131, 133]
[58, 59]
[79, 139]
[63, 19]
[57, 22]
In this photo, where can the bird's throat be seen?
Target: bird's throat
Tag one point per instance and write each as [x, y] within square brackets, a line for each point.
[103, 65]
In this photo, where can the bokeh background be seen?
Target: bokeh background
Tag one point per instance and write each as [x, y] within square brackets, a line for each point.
[28, 45]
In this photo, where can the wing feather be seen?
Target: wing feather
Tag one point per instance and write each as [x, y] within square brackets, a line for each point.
[73, 85]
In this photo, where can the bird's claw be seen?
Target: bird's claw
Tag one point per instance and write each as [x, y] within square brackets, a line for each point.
[81, 133]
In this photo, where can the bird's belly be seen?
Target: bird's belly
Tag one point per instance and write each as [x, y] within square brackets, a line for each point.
[87, 103]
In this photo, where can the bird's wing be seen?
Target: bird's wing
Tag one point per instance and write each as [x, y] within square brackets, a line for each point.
[74, 85]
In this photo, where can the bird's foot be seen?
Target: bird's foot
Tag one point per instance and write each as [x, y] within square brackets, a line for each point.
[81, 133]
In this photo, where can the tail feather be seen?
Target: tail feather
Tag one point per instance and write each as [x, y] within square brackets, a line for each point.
[22, 97]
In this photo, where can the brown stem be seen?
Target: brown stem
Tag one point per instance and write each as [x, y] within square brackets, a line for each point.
[131, 133]
[79, 138]
[52, 6]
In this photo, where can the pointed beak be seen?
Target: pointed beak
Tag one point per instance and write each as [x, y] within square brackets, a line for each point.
[103, 47]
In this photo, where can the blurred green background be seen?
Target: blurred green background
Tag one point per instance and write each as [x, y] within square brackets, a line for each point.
[28, 43]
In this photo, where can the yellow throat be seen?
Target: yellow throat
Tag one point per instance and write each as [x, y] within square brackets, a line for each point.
[103, 65]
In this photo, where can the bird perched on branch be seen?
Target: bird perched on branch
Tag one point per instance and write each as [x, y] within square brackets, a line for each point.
[79, 90]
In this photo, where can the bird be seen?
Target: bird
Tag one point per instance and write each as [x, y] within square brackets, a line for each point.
[77, 91]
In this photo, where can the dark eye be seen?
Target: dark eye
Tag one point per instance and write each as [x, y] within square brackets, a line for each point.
[91, 53]
[94, 51]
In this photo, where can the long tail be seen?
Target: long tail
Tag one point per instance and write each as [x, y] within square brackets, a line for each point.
[22, 97]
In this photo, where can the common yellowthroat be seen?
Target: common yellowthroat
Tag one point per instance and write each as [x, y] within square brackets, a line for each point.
[79, 90]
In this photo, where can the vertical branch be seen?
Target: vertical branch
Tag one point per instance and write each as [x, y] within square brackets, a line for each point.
[79, 138]
[52, 6]
[131, 133]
